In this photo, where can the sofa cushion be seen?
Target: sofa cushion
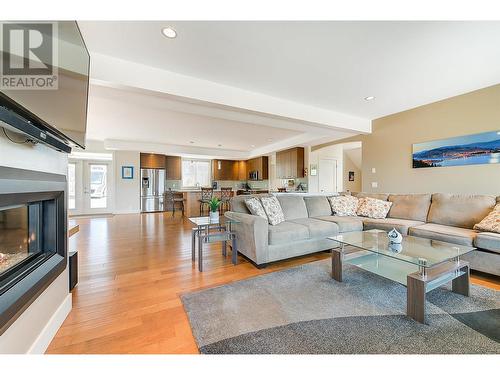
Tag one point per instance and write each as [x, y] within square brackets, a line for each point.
[237, 203]
[287, 232]
[255, 207]
[317, 206]
[491, 223]
[459, 236]
[344, 205]
[387, 224]
[273, 210]
[345, 223]
[374, 208]
[381, 196]
[409, 206]
[460, 210]
[318, 228]
[488, 241]
[293, 206]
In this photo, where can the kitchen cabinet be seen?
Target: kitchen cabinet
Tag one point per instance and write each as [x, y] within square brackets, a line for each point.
[290, 163]
[242, 170]
[174, 167]
[155, 161]
[259, 165]
[239, 170]
[225, 170]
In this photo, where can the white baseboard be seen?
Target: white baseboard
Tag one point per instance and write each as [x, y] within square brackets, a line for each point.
[49, 331]
[122, 212]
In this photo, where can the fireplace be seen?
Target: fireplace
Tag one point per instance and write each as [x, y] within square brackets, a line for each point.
[33, 244]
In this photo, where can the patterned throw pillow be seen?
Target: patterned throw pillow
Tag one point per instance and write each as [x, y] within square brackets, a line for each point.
[373, 208]
[344, 205]
[273, 210]
[490, 223]
[255, 207]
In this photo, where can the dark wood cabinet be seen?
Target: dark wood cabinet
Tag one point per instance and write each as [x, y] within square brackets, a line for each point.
[239, 170]
[290, 163]
[242, 170]
[156, 161]
[174, 167]
[259, 165]
[225, 170]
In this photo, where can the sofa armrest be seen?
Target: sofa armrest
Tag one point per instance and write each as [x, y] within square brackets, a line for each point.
[251, 235]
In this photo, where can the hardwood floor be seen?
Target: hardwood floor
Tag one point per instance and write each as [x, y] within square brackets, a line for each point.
[132, 269]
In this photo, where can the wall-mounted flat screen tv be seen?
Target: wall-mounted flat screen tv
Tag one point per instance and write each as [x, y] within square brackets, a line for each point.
[60, 113]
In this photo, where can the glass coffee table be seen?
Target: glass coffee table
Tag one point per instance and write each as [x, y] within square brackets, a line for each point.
[209, 230]
[420, 264]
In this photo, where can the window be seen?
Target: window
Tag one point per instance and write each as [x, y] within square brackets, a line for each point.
[195, 173]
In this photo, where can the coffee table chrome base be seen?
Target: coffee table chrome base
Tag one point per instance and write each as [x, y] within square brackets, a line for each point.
[202, 235]
[420, 282]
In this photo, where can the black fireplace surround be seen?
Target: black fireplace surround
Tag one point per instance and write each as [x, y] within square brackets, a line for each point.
[33, 240]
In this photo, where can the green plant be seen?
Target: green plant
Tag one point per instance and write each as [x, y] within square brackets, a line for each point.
[214, 204]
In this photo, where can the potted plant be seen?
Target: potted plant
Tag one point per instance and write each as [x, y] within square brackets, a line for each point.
[214, 204]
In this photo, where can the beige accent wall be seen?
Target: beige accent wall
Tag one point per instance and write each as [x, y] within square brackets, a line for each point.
[349, 165]
[388, 149]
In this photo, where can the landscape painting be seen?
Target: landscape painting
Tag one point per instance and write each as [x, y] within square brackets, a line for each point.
[482, 148]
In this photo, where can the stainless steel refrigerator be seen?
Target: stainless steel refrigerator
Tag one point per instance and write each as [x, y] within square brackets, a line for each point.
[152, 189]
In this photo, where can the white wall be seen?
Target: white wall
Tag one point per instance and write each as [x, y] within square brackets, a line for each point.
[37, 325]
[127, 192]
[330, 152]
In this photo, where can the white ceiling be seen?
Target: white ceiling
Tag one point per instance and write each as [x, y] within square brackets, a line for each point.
[331, 65]
[130, 115]
[297, 83]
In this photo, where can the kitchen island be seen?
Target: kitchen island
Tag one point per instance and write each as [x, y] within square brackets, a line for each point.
[192, 203]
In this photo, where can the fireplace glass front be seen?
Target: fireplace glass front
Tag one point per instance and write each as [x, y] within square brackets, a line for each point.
[26, 237]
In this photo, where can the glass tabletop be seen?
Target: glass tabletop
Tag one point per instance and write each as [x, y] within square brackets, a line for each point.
[419, 251]
[204, 221]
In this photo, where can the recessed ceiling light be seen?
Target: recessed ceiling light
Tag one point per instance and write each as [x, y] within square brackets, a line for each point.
[252, 145]
[368, 98]
[270, 140]
[169, 32]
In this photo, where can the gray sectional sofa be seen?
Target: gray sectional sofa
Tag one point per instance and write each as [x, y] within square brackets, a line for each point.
[309, 221]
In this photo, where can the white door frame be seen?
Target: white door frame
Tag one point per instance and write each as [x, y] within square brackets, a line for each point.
[82, 188]
[336, 187]
[78, 210]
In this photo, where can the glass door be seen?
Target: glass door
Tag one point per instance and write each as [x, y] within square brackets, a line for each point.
[89, 187]
[97, 197]
[75, 187]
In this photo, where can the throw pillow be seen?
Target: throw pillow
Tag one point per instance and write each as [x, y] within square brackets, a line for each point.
[491, 223]
[344, 205]
[255, 207]
[273, 210]
[373, 208]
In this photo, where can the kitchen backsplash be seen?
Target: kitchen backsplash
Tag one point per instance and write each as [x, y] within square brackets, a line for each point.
[290, 183]
[177, 184]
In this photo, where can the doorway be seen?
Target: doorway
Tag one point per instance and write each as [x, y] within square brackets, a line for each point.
[89, 187]
[327, 175]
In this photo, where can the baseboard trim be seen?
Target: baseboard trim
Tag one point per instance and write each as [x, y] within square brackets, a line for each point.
[125, 212]
[43, 340]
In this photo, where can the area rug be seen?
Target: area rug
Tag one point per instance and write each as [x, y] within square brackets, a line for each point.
[303, 310]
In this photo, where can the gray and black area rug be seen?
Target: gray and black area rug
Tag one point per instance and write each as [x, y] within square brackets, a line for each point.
[302, 310]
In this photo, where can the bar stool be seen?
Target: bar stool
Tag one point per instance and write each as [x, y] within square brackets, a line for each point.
[172, 198]
[206, 196]
[225, 197]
